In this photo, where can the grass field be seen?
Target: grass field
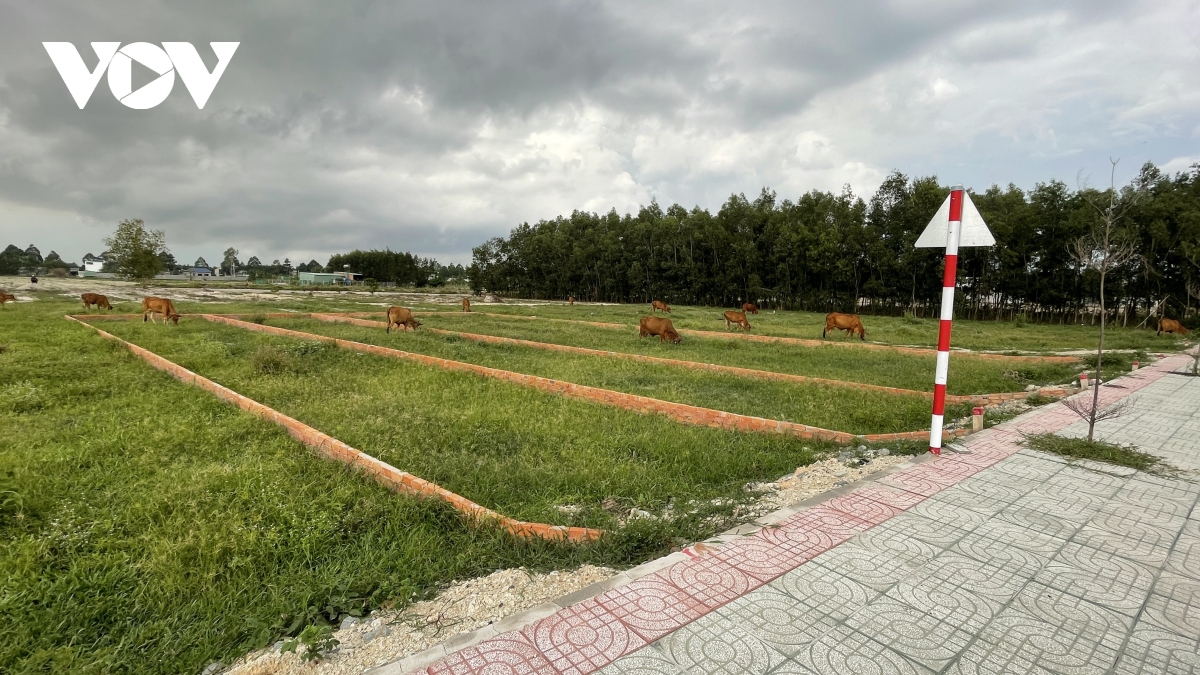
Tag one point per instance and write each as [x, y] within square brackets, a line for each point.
[983, 335]
[147, 527]
[968, 374]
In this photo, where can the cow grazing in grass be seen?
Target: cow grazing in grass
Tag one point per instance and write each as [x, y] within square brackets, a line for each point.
[401, 316]
[733, 318]
[570, 299]
[90, 299]
[750, 308]
[153, 305]
[847, 322]
[1171, 326]
[653, 325]
[466, 304]
[7, 297]
[659, 306]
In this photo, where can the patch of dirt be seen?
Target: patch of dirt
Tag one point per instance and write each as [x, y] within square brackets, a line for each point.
[388, 635]
[812, 480]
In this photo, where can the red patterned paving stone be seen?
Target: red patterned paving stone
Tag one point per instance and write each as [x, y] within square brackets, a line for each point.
[862, 507]
[711, 581]
[582, 638]
[761, 559]
[834, 523]
[652, 607]
[953, 471]
[897, 499]
[922, 481]
[507, 654]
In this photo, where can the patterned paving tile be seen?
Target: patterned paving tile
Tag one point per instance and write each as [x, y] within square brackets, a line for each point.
[897, 542]
[999, 553]
[862, 507]
[920, 480]
[1091, 622]
[651, 606]
[1175, 604]
[899, 499]
[1140, 491]
[928, 530]
[959, 589]
[1040, 522]
[829, 592]
[1121, 517]
[1082, 480]
[1152, 651]
[942, 511]
[1017, 642]
[1030, 470]
[1017, 536]
[777, 619]
[711, 581]
[1103, 578]
[996, 488]
[843, 650]
[1149, 546]
[759, 558]
[874, 569]
[1185, 557]
[911, 632]
[966, 500]
[582, 638]
[834, 523]
[1065, 504]
[716, 646]
[644, 662]
[507, 654]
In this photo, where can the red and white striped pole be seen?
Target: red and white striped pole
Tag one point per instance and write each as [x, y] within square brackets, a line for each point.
[953, 234]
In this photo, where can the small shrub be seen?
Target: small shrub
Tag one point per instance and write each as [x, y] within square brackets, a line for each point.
[911, 319]
[258, 319]
[371, 285]
[268, 360]
[1037, 399]
[1021, 321]
[317, 641]
[58, 273]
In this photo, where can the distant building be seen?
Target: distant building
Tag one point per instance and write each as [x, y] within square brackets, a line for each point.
[93, 265]
[321, 278]
[200, 272]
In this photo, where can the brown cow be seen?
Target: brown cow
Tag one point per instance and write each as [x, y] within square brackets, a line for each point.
[100, 301]
[152, 305]
[659, 305]
[7, 297]
[736, 319]
[847, 322]
[750, 308]
[663, 328]
[401, 316]
[570, 299]
[1171, 326]
[466, 304]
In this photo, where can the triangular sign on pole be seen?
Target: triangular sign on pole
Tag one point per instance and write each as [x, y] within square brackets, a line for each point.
[974, 231]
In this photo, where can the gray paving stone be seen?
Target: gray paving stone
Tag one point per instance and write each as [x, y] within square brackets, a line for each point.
[779, 620]
[966, 500]
[1088, 620]
[1175, 604]
[1104, 578]
[714, 645]
[1018, 642]
[646, 661]
[988, 485]
[911, 632]
[895, 541]
[942, 511]
[1149, 546]
[1131, 517]
[999, 553]
[844, 650]
[873, 569]
[1079, 479]
[1185, 558]
[1041, 522]
[1030, 469]
[1153, 651]
[939, 534]
[1020, 537]
[830, 592]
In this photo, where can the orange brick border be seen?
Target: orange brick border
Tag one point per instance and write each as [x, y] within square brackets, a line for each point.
[783, 340]
[680, 412]
[973, 399]
[334, 449]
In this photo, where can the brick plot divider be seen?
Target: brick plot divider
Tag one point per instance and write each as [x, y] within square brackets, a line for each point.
[334, 449]
[782, 340]
[680, 412]
[975, 399]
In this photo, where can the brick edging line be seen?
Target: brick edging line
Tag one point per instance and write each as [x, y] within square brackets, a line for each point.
[680, 412]
[974, 399]
[780, 339]
[334, 449]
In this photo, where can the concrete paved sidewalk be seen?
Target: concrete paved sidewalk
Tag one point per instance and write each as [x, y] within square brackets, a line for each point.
[1003, 560]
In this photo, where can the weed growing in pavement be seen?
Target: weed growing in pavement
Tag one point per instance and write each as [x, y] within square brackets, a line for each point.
[316, 640]
[1098, 451]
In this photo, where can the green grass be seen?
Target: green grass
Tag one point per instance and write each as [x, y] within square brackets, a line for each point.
[968, 374]
[147, 527]
[1099, 451]
[825, 406]
[980, 335]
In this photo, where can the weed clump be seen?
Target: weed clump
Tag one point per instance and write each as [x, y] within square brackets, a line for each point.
[269, 360]
[1099, 451]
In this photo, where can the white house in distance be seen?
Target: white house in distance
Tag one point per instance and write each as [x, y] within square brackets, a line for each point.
[94, 265]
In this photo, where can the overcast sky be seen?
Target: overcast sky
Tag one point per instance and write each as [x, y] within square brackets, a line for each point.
[431, 126]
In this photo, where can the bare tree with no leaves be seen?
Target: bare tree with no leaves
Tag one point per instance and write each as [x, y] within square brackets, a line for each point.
[1103, 251]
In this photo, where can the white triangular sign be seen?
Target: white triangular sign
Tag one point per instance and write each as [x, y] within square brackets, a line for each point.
[974, 231]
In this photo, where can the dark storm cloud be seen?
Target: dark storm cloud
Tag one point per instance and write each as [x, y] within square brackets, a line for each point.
[429, 126]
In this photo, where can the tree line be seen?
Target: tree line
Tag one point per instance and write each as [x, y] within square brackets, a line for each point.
[837, 251]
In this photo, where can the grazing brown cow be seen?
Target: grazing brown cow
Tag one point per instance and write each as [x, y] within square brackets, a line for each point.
[466, 304]
[736, 319]
[100, 301]
[1171, 326]
[153, 305]
[7, 297]
[847, 322]
[659, 305]
[401, 316]
[570, 299]
[750, 308]
[652, 325]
